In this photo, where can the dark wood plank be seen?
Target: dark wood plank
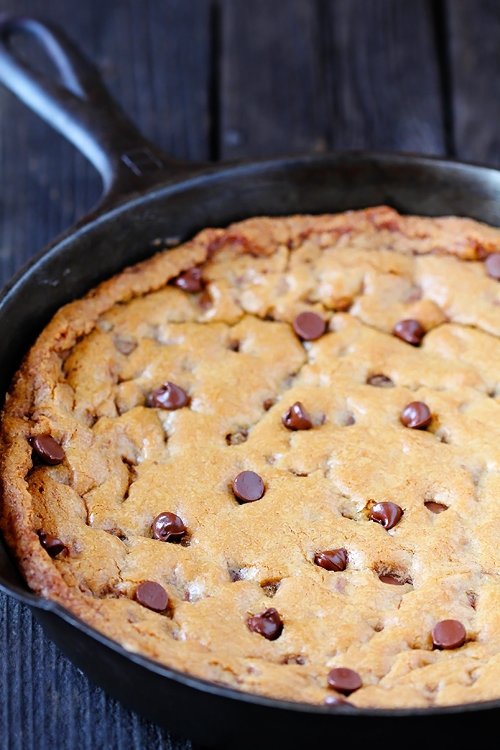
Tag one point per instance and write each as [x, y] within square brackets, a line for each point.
[163, 82]
[270, 85]
[381, 75]
[473, 28]
[47, 703]
[340, 74]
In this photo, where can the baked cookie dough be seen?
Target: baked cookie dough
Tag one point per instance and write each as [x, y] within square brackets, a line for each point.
[270, 458]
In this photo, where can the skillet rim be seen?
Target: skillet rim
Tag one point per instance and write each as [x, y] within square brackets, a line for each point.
[187, 175]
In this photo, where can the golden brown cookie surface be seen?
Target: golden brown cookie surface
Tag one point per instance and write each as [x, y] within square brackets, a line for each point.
[271, 458]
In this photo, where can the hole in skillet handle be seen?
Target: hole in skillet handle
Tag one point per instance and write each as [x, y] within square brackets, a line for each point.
[75, 101]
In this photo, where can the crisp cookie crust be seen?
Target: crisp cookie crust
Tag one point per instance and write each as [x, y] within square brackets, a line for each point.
[374, 545]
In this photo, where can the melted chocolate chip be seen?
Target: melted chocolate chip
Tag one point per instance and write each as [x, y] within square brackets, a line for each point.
[190, 281]
[448, 634]
[205, 300]
[297, 418]
[270, 587]
[236, 438]
[248, 487]
[294, 659]
[167, 527]
[151, 595]
[309, 326]
[413, 294]
[387, 514]
[332, 559]
[234, 574]
[410, 331]
[435, 507]
[391, 579]
[125, 346]
[416, 415]
[168, 396]
[344, 680]
[47, 449]
[492, 265]
[380, 381]
[117, 532]
[51, 544]
[347, 419]
[268, 623]
[472, 599]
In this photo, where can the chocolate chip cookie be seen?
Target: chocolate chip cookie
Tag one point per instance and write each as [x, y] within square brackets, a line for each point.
[270, 458]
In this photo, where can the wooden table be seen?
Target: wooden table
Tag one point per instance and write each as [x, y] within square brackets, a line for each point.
[224, 80]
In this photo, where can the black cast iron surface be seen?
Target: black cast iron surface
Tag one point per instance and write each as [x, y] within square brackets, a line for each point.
[223, 80]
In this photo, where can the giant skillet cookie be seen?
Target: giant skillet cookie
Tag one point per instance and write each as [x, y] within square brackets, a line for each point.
[270, 457]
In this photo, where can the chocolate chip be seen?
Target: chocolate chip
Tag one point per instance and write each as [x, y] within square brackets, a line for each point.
[380, 381]
[125, 346]
[435, 507]
[391, 579]
[448, 634]
[410, 331]
[270, 587]
[268, 623]
[309, 326]
[416, 415]
[236, 438]
[297, 418]
[168, 396]
[332, 559]
[347, 419]
[151, 595]
[294, 659]
[117, 532]
[344, 680]
[205, 300]
[51, 544]
[492, 265]
[472, 599]
[268, 403]
[387, 514]
[248, 487]
[413, 294]
[335, 700]
[190, 281]
[168, 527]
[480, 251]
[234, 573]
[47, 449]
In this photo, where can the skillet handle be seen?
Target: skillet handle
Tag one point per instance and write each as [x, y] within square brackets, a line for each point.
[80, 107]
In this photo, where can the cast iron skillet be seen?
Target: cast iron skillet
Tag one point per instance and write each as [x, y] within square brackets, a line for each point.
[149, 195]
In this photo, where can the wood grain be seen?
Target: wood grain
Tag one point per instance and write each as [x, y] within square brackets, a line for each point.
[381, 76]
[473, 28]
[270, 82]
[340, 74]
[47, 703]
